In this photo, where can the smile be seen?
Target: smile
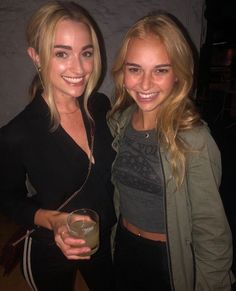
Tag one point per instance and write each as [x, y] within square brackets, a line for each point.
[148, 95]
[73, 80]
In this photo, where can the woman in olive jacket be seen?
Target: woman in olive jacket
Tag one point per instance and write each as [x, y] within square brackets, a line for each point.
[152, 109]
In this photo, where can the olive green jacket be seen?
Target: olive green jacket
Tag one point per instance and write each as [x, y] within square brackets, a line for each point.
[198, 235]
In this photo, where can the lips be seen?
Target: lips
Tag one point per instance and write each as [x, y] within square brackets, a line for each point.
[147, 96]
[73, 80]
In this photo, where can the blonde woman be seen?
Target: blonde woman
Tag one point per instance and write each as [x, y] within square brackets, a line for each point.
[52, 144]
[172, 232]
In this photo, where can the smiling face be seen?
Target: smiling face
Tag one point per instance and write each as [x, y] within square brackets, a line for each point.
[148, 74]
[72, 59]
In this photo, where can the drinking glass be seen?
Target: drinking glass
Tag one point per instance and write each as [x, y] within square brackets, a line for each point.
[84, 224]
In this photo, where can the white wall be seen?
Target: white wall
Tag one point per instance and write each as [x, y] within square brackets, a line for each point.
[113, 16]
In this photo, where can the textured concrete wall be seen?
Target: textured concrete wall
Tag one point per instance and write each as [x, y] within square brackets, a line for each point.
[113, 17]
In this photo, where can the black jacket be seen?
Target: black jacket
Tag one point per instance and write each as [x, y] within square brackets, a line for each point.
[56, 166]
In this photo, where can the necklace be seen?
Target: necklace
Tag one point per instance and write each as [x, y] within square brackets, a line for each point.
[147, 135]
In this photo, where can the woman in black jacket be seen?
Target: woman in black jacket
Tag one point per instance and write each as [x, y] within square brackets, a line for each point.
[47, 150]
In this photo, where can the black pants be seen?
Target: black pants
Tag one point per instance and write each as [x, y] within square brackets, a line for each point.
[140, 264]
[45, 268]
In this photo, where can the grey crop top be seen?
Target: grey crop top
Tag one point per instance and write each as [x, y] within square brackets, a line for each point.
[138, 175]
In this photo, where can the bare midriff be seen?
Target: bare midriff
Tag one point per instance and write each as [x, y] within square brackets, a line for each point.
[145, 234]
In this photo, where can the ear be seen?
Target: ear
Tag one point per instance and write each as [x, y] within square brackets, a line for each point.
[34, 56]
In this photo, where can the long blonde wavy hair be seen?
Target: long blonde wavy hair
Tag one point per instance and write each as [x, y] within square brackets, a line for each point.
[178, 113]
[40, 35]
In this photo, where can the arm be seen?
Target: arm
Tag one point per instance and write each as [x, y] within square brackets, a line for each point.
[212, 240]
[15, 202]
[14, 199]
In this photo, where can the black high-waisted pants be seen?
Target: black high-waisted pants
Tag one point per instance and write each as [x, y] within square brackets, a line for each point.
[140, 264]
[45, 268]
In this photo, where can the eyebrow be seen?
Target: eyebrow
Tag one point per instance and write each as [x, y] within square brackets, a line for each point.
[138, 66]
[67, 47]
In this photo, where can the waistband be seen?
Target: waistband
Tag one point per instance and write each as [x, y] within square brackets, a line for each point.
[141, 233]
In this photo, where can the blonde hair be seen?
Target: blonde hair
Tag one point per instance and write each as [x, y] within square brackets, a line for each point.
[178, 112]
[40, 34]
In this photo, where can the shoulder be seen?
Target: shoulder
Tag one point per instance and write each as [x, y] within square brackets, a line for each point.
[198, 136]
[15, 127]
[118, 121]
[24, 122]
[201, 145]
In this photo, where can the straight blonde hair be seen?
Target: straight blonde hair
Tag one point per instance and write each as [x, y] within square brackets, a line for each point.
[40, 35]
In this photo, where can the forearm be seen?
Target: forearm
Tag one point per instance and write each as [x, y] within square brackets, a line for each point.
[49, 219]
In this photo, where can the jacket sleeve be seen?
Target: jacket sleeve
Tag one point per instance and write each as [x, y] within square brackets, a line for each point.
[211, 235]
[14, 200]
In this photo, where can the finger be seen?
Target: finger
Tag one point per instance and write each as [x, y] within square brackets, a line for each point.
[63, 235]
[78, 251]
[74, 242]
[74, 257]
[60, 241]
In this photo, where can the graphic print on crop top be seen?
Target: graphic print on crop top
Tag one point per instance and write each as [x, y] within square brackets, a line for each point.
[138, 175]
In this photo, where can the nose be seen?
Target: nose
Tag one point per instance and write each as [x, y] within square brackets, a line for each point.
[146, 81]
[77, 65]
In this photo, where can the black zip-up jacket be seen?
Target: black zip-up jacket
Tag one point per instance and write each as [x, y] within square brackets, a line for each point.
[55, 165]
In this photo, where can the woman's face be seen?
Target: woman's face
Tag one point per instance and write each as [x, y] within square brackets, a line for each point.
[148, 74]
[72, 59]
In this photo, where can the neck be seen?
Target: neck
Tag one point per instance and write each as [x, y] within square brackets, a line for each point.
[67, 106]
[144, 120]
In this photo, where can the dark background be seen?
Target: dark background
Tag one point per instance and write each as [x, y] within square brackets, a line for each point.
[217, 95]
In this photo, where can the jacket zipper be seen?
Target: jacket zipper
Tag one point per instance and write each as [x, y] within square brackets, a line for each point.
[167, 236]
[194, 266]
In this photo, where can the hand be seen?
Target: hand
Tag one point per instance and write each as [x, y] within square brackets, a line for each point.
[71, 247]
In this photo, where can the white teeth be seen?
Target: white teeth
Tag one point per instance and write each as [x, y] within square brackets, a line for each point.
[147, 95]
[73, 80]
